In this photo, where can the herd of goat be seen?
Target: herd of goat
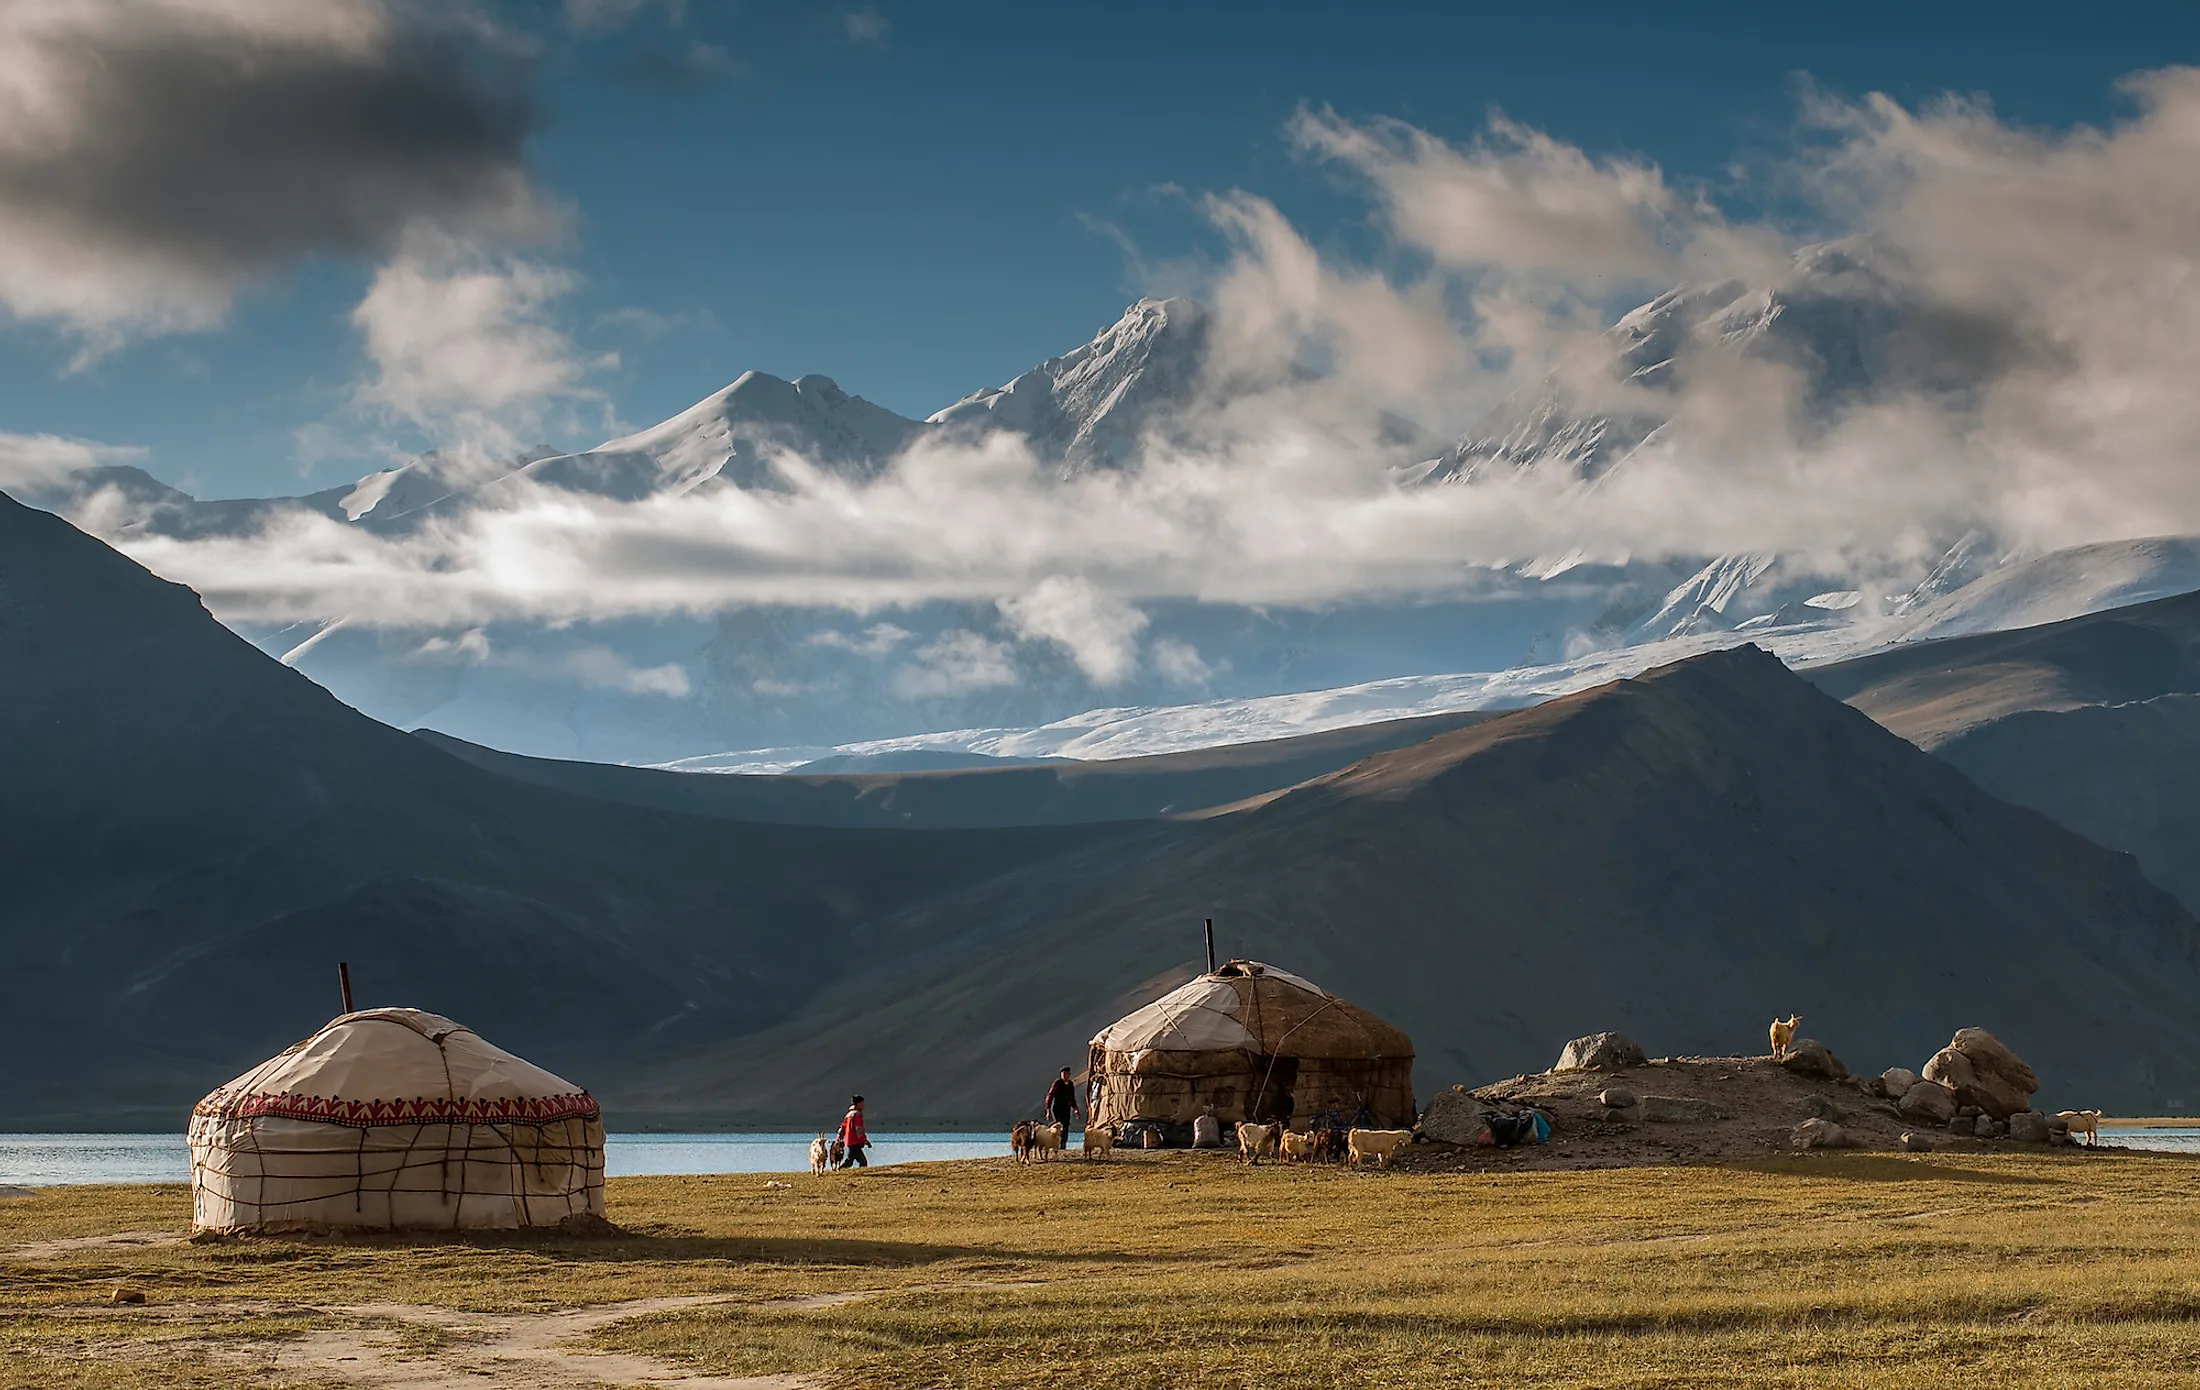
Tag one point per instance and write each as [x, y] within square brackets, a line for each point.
[1032, 1142]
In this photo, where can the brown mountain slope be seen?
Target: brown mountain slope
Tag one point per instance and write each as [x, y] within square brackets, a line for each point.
[2126, 776]
[1933, 691]
[1055, 793]
[1682, 856]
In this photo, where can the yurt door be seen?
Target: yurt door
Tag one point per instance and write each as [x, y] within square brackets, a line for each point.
[1273, 1083]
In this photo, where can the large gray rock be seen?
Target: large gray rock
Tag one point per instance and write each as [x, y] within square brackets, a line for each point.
[2028, 1127]
[1678, 1110]
[1982, 1071]
[1897, 1081]
[1987, 1127]
[1927, 1102]
[1617, 1098]
[1601, 1052]
[1453, 1117]
[1810, 1057]
[1821, 1134]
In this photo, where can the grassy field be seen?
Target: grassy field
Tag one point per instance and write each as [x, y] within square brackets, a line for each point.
[1837, 1270]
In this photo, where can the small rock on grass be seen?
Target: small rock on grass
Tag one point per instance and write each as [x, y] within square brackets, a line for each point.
[1617, 1098]
[1916, 1143]
[126, 1293]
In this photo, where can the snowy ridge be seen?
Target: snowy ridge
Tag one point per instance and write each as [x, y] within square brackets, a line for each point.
[1090, 407]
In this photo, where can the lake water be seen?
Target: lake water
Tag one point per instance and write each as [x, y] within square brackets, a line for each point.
[54, 1160]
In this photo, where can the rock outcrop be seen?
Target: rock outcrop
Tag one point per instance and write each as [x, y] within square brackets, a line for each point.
[1821, 1134]
[1983, 1072]
[2028, 1127]
[1810, 1057]
[1454, 1117]
[1927, 1102]
[1601, 1052]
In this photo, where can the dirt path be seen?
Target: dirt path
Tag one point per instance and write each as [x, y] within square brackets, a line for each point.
[525, 1351]
[118, 1240]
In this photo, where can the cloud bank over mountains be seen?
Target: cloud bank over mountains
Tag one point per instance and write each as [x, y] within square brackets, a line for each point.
[1953, 328]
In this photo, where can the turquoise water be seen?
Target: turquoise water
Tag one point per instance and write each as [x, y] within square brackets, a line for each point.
[54, 1160]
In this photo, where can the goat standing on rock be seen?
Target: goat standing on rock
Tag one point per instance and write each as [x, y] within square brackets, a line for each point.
[1783, 1033]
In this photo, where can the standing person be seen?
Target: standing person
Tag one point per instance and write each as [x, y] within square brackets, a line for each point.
[853, 1135]
[1061, 1101]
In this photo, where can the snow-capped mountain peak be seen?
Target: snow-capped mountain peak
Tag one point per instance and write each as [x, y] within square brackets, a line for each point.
[1091, 407]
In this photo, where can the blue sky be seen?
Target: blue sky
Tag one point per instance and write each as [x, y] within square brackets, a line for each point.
[922, 200]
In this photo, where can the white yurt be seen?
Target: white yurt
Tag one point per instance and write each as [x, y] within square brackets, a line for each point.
[395, 1119]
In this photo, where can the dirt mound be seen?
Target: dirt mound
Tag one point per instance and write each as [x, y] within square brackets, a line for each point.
[1721, 1108]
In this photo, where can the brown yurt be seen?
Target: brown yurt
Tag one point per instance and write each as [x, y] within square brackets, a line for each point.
[1253, 1043]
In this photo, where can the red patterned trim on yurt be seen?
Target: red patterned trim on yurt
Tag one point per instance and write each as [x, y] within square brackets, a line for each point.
[367, 1114]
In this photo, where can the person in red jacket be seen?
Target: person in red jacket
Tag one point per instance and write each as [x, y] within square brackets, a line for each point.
[852, 1135]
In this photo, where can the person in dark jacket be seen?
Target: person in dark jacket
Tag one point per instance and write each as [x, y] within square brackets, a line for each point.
[853, 1135]
[1061, 1101]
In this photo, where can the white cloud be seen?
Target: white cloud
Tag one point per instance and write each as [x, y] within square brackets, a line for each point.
[599, 666]
[875, 641]
[1179, 662]
[958, 663]
[1099, 632]
[29, 460]
[158, 157]
[2030, 319]
[467, 347]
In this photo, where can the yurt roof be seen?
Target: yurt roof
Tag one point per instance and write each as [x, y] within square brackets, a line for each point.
[397, 1067]
[1253, 1006]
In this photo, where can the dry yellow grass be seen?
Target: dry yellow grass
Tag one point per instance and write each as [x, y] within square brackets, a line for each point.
[1840, 1270]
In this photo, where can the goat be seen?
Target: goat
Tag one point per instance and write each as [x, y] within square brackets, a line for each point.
[821, 1154]
[2086, 1122]
[1783, 1033]
[1382, 1145]
[1019, 1140]
[1329, 1146]
[1295, 1147]
[1253, 1140]
[1099, 1141]
[1047, 1139]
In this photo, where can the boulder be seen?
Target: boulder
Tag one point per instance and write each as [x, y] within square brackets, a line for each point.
[2028, 1127]
[1984, 1072]
[1601, 1052]
[1916, 1143]
[1987, 1127]
[1678, 1110]
[1821, 1134]
[1810, 1057]
[1617, 1098]
[1928, 1102]
[1897, 1081]
[1963, 1126]
[1453, 1117]
[1819, 1108]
